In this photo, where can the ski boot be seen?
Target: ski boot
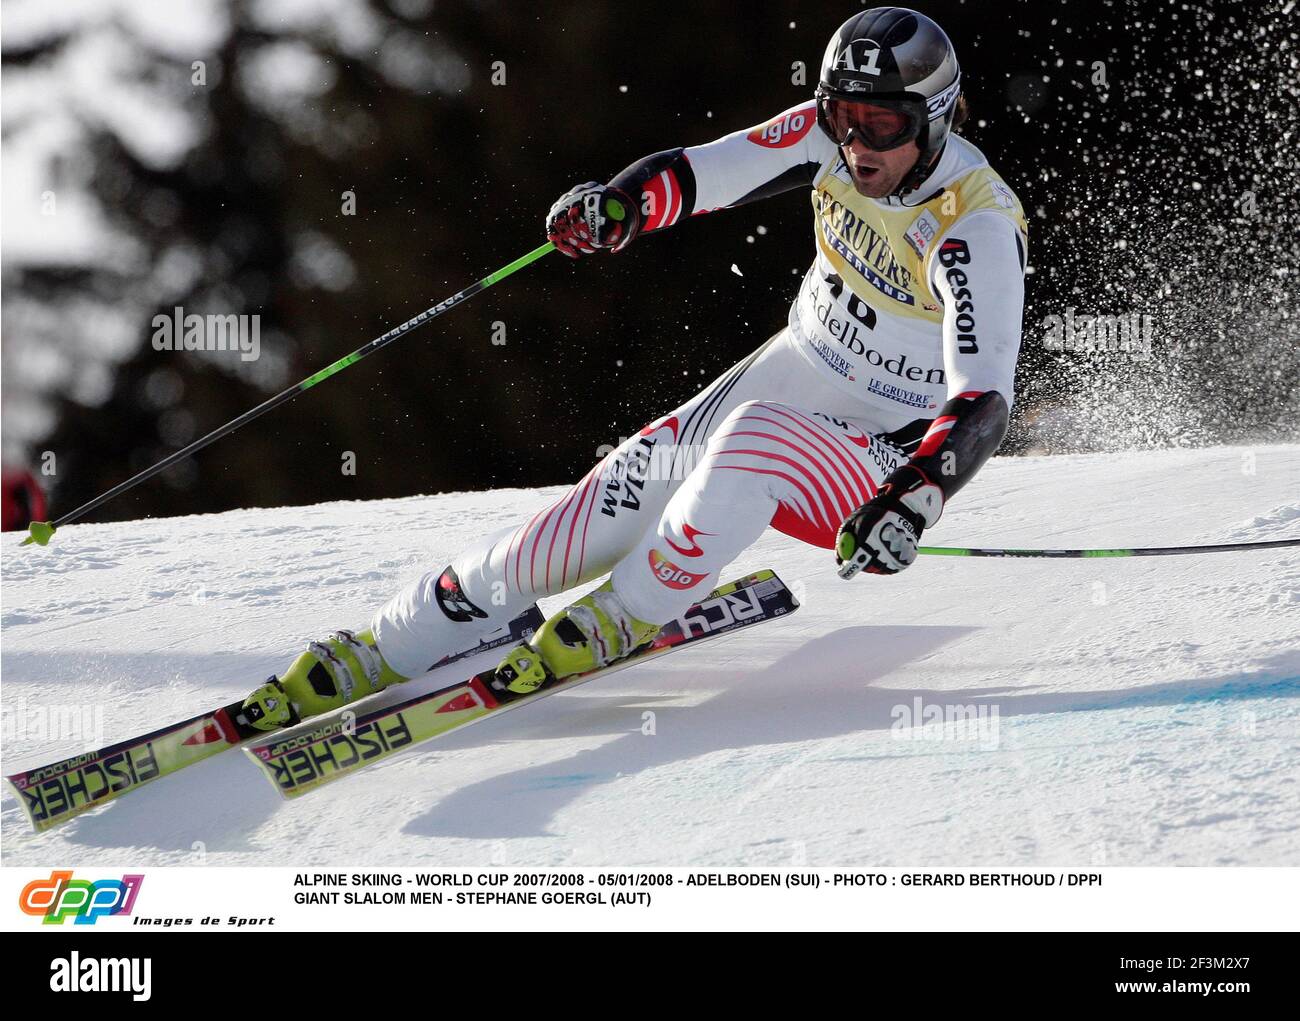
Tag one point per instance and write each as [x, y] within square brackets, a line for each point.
[327, 676]
[588, 634]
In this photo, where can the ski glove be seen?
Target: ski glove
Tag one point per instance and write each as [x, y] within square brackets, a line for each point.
[882, 535]
[591, 217]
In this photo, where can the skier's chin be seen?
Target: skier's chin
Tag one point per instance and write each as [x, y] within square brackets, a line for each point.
[877, 173]
[874, 183]
[875, 178]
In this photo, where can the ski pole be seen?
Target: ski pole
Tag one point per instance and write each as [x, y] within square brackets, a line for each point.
[40, 531]
[1149, 551]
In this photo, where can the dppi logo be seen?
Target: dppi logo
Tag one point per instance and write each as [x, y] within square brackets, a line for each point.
[784, 131]
[61, 896]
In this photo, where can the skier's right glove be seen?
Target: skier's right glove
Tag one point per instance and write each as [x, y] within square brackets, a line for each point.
[881, 536]
[592, 217]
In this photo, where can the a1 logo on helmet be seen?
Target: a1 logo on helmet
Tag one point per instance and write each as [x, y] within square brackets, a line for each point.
[861, 56]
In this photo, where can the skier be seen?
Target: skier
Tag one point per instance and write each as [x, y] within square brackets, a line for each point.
[850, 429]
[21, 499]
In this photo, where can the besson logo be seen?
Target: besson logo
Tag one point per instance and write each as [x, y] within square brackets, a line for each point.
[953, 253]
[61, 897]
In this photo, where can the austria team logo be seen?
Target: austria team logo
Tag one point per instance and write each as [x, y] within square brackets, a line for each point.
[84, 901]
[784, 131]
[668, 573]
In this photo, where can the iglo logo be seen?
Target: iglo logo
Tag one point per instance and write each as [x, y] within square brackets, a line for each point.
[668, 573]
[61, 896]
[782, 132]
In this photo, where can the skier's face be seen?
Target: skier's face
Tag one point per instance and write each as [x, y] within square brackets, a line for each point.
[877, 174]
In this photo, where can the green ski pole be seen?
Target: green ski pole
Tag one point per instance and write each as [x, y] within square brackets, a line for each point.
[41, 531]
[1084, 554]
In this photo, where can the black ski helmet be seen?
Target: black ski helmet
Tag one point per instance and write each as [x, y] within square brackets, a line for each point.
[895, 56]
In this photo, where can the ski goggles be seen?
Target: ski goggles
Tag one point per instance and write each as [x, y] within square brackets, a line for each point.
[879, 124]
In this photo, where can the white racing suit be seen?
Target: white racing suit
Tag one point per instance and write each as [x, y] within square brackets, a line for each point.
[901, 347]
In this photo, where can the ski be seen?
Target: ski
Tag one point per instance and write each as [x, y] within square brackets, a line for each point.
[299, 763]
[53, 794]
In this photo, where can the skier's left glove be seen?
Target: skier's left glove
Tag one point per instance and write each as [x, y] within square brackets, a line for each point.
[881, 536]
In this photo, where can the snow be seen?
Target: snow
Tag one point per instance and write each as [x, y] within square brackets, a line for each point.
[1133, 712]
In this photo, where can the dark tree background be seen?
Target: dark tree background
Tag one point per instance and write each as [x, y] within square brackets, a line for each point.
[1148, 142]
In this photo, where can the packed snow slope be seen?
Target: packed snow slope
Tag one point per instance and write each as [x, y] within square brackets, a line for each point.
[1124, 711]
